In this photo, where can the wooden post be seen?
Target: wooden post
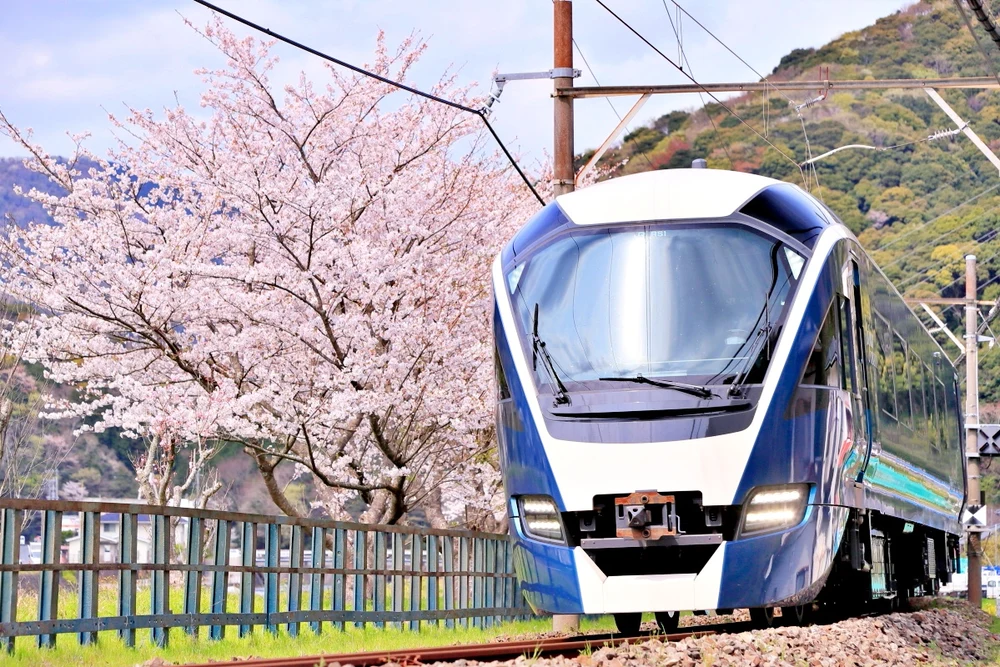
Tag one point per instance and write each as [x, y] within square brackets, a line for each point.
[562, 52]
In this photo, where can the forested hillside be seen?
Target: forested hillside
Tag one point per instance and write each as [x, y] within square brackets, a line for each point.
[918, 205]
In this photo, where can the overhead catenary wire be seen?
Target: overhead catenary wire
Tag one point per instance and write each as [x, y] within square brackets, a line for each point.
[767, 82]
[812, 160]
[926, 279]
[705, 90]
[935, 239]
[727, 48]
[402, 86]
[972, 31]
[678, 35]
[951, 210]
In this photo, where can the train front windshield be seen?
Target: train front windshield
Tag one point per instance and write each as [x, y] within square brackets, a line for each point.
[660, 300]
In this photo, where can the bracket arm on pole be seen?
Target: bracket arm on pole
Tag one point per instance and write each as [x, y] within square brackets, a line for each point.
[937, 320]
[973, 137]
[611, 137]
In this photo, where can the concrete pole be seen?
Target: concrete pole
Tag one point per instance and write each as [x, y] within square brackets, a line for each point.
[972, 425]
[562, 157]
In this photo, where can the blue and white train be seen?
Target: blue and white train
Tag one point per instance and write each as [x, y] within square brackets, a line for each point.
[710, 397]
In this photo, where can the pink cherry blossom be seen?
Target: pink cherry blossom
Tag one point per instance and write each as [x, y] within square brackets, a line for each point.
[302, 271]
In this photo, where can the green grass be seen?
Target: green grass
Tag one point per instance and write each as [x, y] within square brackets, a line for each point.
[990, 607]
[185, 648]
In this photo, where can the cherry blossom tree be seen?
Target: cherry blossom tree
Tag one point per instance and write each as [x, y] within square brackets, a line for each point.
[302, 271]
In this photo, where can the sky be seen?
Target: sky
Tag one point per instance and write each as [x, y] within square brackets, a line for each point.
[69, 63]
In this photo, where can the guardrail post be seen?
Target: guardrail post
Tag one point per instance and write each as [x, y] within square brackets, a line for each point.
[339, 578]
[398, 546]
[48, 581]
[295, 578]
[484, 594]
[360, 551]
[272, 550]
[432, 580]
[160, 578]
[490, 584]
[448, 551]
[477, 580]
[220, 577]
[192, 578]
[10, 554]
[380, 578]
[317, 559]
[90, 545]
[508, 582]
[463, 580]
[416, 580]
[248, 559]
[128, 550]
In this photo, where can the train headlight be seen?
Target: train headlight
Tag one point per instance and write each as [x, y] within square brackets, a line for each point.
[540, 518]
[771, 508]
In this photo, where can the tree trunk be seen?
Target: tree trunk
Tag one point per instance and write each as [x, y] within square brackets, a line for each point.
[266, 470]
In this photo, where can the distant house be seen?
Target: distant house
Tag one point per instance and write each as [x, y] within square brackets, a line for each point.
[110, 529]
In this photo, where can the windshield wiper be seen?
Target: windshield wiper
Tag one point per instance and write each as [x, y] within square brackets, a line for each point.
[561, 396]
[763, 334]
[693, 389]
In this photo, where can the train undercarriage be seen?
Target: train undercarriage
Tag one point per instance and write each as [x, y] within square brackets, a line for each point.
[882, 562]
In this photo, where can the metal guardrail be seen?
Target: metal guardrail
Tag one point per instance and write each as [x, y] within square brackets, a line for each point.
[309, 571]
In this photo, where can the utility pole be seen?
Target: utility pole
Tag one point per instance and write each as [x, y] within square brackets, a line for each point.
[972, 427]
[563, 173]
[562, 146]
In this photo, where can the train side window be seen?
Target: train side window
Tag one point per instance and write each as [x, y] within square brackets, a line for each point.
[954, 414]
[933, 409]
[503, 391]
[847, 345]
[823, 367]
[900, 368]
[884, 369]
[917, 393]
[944, 423]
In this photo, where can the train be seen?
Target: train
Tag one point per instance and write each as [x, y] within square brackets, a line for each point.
[710, 397]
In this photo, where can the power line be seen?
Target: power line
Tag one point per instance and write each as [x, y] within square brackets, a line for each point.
[767, 82]
[402, 86]
[610, 103]
[935, 240]
[680, 49]
[962, 277]
[726, 47]
[945, 214]
[986, 22]
[705, 90]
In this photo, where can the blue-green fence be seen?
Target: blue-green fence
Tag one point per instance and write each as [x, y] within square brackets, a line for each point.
[236, 572]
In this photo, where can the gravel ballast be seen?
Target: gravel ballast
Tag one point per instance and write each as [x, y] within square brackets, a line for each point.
[938, 632]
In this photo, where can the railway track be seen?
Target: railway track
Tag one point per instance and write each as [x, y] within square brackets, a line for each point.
[567, 646]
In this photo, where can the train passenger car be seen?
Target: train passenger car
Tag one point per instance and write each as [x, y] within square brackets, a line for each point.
[710, 397]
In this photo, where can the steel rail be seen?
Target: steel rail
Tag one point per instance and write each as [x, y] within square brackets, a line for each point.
[568, 646]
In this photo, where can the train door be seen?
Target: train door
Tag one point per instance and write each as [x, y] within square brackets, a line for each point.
[861, 400]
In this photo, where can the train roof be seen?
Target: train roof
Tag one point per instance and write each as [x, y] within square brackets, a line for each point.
[679, 194]
[665, 194]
